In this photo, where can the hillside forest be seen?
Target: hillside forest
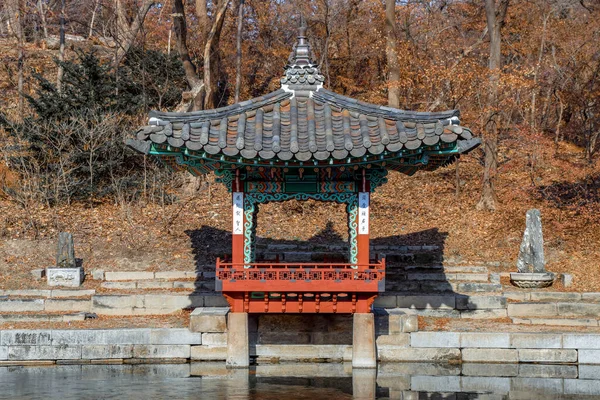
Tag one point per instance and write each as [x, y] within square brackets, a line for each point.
[78, 77]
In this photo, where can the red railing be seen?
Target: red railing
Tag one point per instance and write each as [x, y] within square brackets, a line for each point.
[288, 277]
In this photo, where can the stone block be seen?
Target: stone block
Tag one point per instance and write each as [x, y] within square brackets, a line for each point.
[108, 351]
[402, 322]
[172, 302]
[208, 353]
[548, 355]
[399, 340]
[72, 277]
[214, 339]
[174, 336]
[491, 370]
[589, 356]
[419, 368]
[400, 382]
[25, 337]
[3, 352]
[582, 387]
[78, 336]
[184, 285]
[38, 273]
[534, 387]
[555, 296]
[128, 275]
[488, 355]
[62, 352]
[468, 287]
[496, 385]
[438, 384]
[532, 310]
[68, 305]
[591, 296]
[385, 301]
[579, 309]
[480, 302]
[472, 277]
[484, 314]
[21, 305]
[214, 301]
[495, 278]
[535, 340]
[303, 352]
[435, 339]
[581, 341]
[172, 275]
[413, 354]
[161, 351]
[103, 302]
[548, 371]
[589, 372]
[209, 319]
[517, 296]
[98, 274]
[126, 336]
[119, 285]
[154, 285]
[426, 302]
[484, 340]
[71, 293]
[564, 321]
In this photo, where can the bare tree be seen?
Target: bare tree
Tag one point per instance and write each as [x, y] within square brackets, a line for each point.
[392, 54]
[42, 12]
[126, 31]
[61, 54]
[495, 11]
[238, 54]
[201, 93]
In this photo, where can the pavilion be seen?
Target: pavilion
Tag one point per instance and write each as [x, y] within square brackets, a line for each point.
[302, 142]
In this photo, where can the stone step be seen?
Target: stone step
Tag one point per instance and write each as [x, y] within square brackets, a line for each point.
[47, 293]
[41, 317]
[440, 276]
[441, 268]
[8, 305]
[553, 310]
[447, 306]
[310, 247]
[116, 276]
[442, 287]
[157, 284]
[557, 321]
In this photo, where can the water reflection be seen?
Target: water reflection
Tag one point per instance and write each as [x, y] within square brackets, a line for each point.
[301, 381]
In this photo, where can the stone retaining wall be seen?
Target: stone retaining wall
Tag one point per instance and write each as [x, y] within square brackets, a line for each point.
[159, 345]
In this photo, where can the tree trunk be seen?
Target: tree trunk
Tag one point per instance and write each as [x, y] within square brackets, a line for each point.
[536, 72]
[495, 15]
[18, 29]
[238, 54]
[42, 12]
[91, 32]
[211, 49]
[392, 55]
[61, 54]
[126, 33]
[192, 100]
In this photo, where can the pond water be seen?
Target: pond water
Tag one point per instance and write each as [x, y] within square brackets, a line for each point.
[300, 381]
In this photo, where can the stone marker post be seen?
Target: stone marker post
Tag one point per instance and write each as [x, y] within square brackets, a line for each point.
[530, 264]
[65, 272]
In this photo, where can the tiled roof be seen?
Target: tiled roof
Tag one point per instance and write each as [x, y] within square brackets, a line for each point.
[303, 122]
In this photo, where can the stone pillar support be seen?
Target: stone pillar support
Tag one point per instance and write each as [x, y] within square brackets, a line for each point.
[238, 348]
[364, 384]
[364, 354]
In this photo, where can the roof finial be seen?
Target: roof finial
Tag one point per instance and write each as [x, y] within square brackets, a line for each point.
[300, 69]
[302, 27]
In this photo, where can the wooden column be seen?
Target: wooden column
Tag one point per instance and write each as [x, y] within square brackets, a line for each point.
[363, 222]
[237, 240]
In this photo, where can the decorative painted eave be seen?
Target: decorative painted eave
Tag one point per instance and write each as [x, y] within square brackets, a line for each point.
[302, 124]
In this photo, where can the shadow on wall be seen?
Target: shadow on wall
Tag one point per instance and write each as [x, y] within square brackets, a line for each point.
[415, 280]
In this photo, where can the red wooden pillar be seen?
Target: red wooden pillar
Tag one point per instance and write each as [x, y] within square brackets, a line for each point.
[237, 241]
[363, 222]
